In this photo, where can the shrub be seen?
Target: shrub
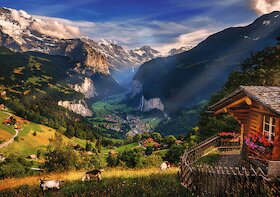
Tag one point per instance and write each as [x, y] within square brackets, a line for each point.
[170, 140]
[88, 146]
[130, 158]
[149, 150]
[15, 166]
[112, 160]
[60, 157]
[174, 153]
[151, 161]
[98, 162]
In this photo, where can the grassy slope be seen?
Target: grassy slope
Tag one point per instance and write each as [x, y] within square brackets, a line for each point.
[121, 148]
[115, 182]
[29, 144]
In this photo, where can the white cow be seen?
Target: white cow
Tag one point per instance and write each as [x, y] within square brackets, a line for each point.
[49, 184]
[165, 165]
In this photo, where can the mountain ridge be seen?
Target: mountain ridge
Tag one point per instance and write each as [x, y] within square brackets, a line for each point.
[185, 79]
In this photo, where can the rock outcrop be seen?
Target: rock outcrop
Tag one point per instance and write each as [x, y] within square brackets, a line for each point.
[79, 107]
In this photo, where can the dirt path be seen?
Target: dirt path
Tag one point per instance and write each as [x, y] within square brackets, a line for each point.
[12, 139]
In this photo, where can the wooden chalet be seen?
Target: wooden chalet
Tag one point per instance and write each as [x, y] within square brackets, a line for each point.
[257, 109]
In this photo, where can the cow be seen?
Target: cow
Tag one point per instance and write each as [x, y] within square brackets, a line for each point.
[93, 174]
[165, 165]
[49, 184]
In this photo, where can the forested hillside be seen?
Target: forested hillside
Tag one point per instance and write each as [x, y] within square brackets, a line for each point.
[262, 68]
[32, 84]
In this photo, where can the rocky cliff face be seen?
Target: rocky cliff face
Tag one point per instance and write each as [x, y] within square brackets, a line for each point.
[79, 107]
[87, 88]
[147, 105]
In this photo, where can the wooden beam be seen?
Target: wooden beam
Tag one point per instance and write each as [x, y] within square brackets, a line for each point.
[246, 99]
[262, 111]
[239, 110]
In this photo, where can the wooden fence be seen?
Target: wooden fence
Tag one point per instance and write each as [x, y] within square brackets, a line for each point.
[223, 181]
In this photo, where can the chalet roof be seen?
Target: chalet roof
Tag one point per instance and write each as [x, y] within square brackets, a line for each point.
[269, 96]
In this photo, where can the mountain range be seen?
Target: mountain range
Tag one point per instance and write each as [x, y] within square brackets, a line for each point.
[181, 81]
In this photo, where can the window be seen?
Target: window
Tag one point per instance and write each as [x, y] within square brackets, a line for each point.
[269, 127]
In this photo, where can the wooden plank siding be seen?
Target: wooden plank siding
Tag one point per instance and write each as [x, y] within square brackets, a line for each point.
[276, 148]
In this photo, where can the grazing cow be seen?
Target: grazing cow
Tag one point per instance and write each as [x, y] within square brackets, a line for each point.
[49, 184]
[165, 165]
[93, 174]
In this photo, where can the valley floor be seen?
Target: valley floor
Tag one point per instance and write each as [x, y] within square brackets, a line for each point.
[115, 182]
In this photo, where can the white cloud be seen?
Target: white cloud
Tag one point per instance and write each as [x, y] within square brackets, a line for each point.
[265, 6]
[59, 28]
[188, 39]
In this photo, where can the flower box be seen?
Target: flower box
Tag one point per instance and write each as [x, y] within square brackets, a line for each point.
[258, 143]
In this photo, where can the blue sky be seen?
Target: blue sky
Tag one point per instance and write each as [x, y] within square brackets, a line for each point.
[163, 24]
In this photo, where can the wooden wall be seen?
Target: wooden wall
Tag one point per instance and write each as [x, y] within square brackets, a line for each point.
[255, 125]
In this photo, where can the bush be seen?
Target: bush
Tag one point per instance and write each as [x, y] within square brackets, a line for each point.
[88, 146]
[16, 139]
[150, 161]
[60, 157]
[15, 166]
[174, 153]
[98, 162]
[170, 140]
[130, 158]
[149, 150]
[112, 160]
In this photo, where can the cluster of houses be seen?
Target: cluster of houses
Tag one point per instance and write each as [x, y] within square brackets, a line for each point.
[115, 123]
[12, 121]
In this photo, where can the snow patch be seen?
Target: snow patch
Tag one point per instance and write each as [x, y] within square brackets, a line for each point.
[266, 23]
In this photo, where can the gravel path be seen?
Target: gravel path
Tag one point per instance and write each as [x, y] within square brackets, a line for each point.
[232, 160]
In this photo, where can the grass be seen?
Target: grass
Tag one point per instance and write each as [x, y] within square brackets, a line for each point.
[209, 159]
[113, 103]
[28, 143]
[121, 148]
[4, 135]
[115, 182]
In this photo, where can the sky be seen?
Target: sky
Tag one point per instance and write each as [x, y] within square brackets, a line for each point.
[162, 24]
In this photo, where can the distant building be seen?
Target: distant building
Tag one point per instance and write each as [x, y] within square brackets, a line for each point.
[2, 106]
[33, 157]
